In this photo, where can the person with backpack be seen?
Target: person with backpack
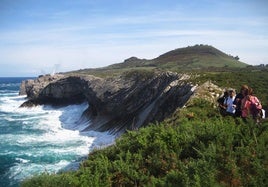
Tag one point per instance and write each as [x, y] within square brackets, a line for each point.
[250, 106]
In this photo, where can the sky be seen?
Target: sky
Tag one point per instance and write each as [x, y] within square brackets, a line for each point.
[42, 36]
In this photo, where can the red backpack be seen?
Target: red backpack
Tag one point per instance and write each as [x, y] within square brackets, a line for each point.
[255, 107]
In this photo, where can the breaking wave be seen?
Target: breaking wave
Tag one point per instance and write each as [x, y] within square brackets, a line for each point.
[41, 139]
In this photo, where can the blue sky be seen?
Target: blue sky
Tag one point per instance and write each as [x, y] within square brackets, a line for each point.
[42, 36]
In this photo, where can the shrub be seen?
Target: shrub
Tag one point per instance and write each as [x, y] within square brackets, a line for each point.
[185, 152]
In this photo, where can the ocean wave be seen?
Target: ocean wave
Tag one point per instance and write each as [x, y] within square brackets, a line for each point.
[43, 138]
[11, 103]
[22, 170]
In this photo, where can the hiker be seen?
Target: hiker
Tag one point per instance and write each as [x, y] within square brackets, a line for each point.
[230, 108]
[250, 105]
[221, 102]
[238, 99]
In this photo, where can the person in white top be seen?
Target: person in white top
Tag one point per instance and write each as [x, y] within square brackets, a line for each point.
[230, 108]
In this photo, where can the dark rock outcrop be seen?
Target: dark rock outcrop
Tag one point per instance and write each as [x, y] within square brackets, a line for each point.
[129, 101]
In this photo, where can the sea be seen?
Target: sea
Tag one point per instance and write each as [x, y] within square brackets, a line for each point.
[41, 139]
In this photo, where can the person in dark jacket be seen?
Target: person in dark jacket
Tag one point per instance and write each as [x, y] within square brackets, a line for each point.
[221, 102]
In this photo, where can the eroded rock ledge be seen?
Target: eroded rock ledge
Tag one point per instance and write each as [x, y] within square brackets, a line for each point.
[117, 104]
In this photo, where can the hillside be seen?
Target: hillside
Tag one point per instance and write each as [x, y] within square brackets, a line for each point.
[194, 146]
[193, 57]
[198, 57]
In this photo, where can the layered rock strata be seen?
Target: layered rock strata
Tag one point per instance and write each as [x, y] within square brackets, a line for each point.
[116, 104]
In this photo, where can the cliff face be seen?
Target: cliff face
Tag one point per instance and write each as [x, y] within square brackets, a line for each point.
[116, 104]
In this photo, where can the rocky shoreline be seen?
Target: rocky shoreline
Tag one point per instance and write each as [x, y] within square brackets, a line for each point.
[116, 104]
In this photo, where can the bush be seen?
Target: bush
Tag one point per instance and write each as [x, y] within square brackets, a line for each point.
[179, 152]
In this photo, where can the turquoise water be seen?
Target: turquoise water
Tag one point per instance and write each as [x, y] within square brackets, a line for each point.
[40, 139]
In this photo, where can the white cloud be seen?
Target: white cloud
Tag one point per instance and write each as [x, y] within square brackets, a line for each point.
[100, 40]
[41, 50]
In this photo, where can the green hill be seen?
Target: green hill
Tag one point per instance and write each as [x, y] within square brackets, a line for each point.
[198, 57]
[194, 57]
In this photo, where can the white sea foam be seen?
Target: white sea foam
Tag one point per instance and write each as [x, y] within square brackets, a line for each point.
[24, 170]
[48, 139]
[11, 103]
[21, 160]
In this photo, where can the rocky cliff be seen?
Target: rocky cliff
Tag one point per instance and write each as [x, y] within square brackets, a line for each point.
[128, 101]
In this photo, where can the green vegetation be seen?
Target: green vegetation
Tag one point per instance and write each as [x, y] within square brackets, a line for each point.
[197, 57]
[194, 147]
[192, 58]
[108, 72]
[141, 75]
[256, 79]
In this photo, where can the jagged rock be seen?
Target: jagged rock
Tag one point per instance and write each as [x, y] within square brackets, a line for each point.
[32, 88]
[209, 92]
[128, 101]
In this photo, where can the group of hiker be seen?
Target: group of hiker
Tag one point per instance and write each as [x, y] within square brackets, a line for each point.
[244, 104]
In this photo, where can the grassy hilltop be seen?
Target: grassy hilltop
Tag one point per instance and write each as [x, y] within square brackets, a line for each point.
[188, 58]
[192, 58]
[195, 146]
